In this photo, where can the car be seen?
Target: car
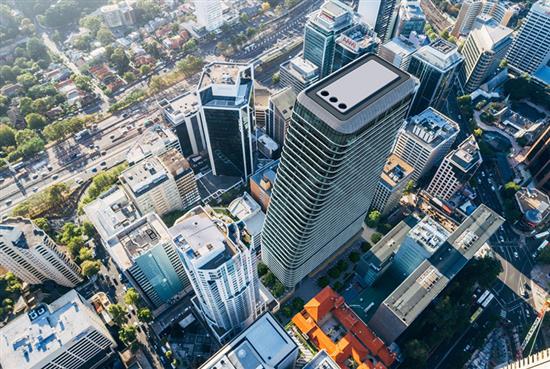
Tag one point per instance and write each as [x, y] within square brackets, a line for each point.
[34, 176]
[527, 286]
[91, 146]
[44, 174]
[49, 167]
[525, 294]
[516, 255]
[8, 202]
[125, 115]
[103, 163]
[55, 176]
[35, 189]
[112, 137]
[79, 180]
[103, 153]
[527, 314]
[93, 169]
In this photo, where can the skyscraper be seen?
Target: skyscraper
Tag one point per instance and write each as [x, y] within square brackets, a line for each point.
[424, 140]
[220, 263]
[436, 66]
[336, 146]
[280, 111]
[209, 14]
[538, 160]
[30, 254]
[456, 170]
[380, 14]
[356, 41]
[321, 31]
[483, 50]
[298, 73]
[227, 108]
[145, 253]
[469, 10]
[530, 52]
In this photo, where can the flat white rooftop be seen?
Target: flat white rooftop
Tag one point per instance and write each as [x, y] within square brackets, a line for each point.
[265, 344]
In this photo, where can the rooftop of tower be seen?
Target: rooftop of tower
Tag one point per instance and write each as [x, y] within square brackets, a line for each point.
[356, 94]
[441, 54]
[21, 232]
[432, 127]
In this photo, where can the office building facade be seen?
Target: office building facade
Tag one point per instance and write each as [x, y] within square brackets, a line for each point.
[398, 51]
[531, 49]
[483, 51]
[411, 18]
[146, 255]
[227, 109]
[437, 66]
[209, 14]
[358, 40]
[424, 141]
[341, 132]
[380, 14]
[65, 334]
[456, 170]
[392, 182]
[298, 73]
[538, 160]
[32, 256]
[321, 31]
[281, 104]
[221, 266]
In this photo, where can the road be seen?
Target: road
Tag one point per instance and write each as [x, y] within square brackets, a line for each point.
[55, 50]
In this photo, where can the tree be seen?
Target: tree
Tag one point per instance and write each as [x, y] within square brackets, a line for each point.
[278, 289]
[376, 237]
[265, 6]
[262, 269]
[85, 253]
[409, 187]
[144, 69]
[144, 315]
[43, 224]
[7, 74]
[269, 279]
[120, 60]
[90, 267]
[354, 257]
[26, 80]
[544, 256]
[147, 10]
[35, 121]
[127, 333]
[478, 132]
[91, 22]
[365, 246]
[36, 49]
[287, 311]
[7, 136]
[244, 18]
[275, 78]
[131, 297]
[88, 229]
[104, 35]
[373, 218]
[129, 77]
[416, 353]
[297, 304]
[83, 82]
[323, 282]
[290, 3]
[118, 313]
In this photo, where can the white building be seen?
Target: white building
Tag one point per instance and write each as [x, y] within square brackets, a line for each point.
[398, 51]
[30, 254]
[424, 140]
[209, 14]
[218, 258]
[247, 210]
[154, 141]
[456, 170]
[394, 178]
[530, 52]
[65, 334]
[161, 184]
[265, 344]
[120, 14]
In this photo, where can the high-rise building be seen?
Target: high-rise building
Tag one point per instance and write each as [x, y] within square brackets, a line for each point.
[436, 66]
[421, 242]
[394, 178]
[298, 73]
[380, 14]
[265, 344]
[30, 254]
[483, 51]
[209, 14]
[145, 253]
[398, 51]
[411, 18]
[340, 136]
[539, 360]
[358, 40]
[456, 170]
[321, 31]
[226, 103]
[538, 160]
[401, 308]
[221, 267]
[248, 211]
[161, 183]
[280, 112]
[501, 12]
[530, 52]
[65, 334]
[424, 141]
[469, 10]
[154, 141]
[183, 114]
[261, 184]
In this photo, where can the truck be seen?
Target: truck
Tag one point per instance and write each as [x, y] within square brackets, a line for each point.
[542, 235]
[85, 133]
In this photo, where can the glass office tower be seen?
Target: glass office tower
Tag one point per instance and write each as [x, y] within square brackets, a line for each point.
[341, 133]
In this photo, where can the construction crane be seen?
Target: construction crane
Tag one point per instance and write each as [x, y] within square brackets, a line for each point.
[535, 328]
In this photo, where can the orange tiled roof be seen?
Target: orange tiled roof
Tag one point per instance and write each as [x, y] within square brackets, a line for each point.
[359, 342]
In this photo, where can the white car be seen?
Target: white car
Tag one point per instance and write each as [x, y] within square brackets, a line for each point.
[516, 255]
[79, 180]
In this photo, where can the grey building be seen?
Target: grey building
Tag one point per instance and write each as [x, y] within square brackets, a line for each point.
[281, 104]
[483, 50]
[411, 18]
[358, 40]
[226, 104]
[321, 31]
[298, 73]
[398, 51]
[380, 14]
[400, 309]
[341, 133]
[436, 66]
